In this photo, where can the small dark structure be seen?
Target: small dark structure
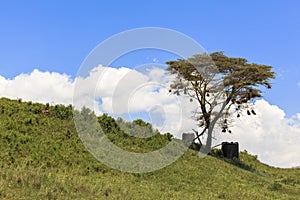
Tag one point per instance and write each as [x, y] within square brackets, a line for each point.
[188, 137]
[230, 149]
[188, 141]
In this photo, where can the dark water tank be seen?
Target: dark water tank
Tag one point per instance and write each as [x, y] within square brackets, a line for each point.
[230, 149]
[188, 137]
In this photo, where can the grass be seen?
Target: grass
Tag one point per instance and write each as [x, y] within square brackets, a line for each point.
[42, 157]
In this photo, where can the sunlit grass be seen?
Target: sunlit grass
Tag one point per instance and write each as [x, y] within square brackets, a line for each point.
[43, 158]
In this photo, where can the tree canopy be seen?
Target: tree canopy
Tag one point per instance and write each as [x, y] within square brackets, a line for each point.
[222, 86]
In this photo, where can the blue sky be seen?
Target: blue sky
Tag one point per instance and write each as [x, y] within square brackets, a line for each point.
[56, 36]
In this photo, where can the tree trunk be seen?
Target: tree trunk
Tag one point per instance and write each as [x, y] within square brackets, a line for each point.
[208, 144]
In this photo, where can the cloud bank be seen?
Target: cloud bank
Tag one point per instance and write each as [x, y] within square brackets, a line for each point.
[128, 93]
[44, 87]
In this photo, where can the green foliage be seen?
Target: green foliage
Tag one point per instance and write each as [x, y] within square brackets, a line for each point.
[108, 124]
[216, 153]
[61, 112]
[42, 157]
[124, 134]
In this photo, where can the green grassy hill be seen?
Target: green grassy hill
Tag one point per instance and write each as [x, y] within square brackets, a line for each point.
[42, 157]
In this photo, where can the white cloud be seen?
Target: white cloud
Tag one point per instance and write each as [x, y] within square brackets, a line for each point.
[142, 91]
[298, 116]
[38, 86]
[155, 60]
[269, 134]
[99, 84]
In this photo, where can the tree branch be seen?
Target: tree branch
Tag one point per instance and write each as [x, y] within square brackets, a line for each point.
[199, 135]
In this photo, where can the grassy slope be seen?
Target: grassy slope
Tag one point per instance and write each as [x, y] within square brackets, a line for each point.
[42, 157]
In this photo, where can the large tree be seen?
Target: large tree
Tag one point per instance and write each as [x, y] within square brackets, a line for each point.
[223, 87]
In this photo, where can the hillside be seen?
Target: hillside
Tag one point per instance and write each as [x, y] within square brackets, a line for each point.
[42, 157]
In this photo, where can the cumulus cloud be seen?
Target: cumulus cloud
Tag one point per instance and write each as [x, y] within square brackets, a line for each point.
[128, 92]
[39, 87]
